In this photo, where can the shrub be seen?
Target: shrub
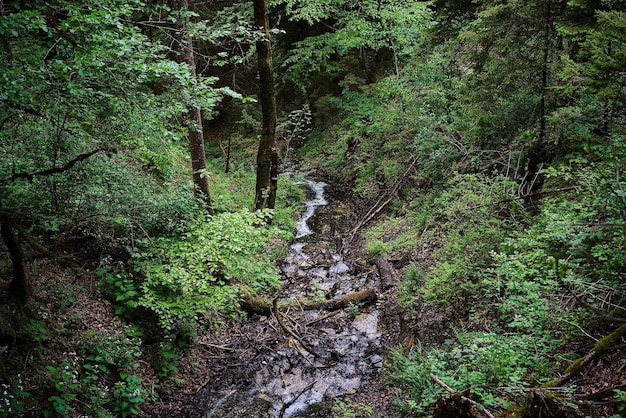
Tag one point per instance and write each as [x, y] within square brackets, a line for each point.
[200, 272]
[493, 366]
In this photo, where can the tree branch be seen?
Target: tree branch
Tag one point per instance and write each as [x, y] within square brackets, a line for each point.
[57, 170]
[526, 196]
[289, 330]
[464, 398]
[601, 347]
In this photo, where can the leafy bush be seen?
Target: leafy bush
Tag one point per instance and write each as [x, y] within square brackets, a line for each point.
[493, 365]
[13, 398]
[107, 359]
[120, 287]
[464, 227]
[128, 395]
[351, 409]
[199, 273]
[167, 363]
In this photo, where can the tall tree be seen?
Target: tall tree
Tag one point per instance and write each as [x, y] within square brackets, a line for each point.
[267, 155]
[20, 288]
[194, 122]
[368, 32]
[75, 87]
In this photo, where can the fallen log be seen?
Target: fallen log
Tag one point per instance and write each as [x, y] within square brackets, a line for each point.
[255, 304]
[366, 296]
[544, 398]
[600, 348]
[386, 272]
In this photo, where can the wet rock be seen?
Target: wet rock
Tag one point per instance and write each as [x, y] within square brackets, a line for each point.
[284, 378]
[338, 268]
[367, 323]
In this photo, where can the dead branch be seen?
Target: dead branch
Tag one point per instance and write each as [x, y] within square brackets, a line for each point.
[56, 170]
[220, 347]
[526, 196]
[386, 272]
[378, 207]
[362, 296]
[289, 331]
[322, 318]
[286, 405]
[49, 253]
[204, 383]
[464, 398]
[605, 393]
[603, 346]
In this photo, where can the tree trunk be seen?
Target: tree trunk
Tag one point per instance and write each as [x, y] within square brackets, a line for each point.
[20, 288]
[195, 129]
[267, 156]
[6, 45]
[544, 72]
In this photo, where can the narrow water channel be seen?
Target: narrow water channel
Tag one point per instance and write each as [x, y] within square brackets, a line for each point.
[328, 355]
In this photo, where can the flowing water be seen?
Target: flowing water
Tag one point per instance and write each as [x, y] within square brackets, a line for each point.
[278, 374]
[302, 227]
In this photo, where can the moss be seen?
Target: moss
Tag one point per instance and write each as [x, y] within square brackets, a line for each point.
[516, 412]
[548, 384]
[253, 303]
[601, 347]
[610, 340]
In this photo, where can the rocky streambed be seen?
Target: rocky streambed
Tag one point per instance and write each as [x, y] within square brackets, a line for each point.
[288, 363]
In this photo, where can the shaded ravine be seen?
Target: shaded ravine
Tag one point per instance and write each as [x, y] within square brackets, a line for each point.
[327, 354]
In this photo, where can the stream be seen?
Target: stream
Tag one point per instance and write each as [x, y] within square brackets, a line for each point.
[264, 371]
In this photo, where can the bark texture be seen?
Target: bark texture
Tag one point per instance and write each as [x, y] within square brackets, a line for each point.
[267, 156]
[386, 272]
[195, 130]
[254, 304]
[20, 288]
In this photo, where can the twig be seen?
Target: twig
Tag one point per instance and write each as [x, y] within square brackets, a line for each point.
[221, 347]
[323, 317]
[605, 393]
[465, 398]
[200, 387]
[288, 404]
[48, 253]
[603, 346]
[536, 194]
[378, 207]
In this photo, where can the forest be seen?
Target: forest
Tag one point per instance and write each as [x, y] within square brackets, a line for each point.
[466, 162]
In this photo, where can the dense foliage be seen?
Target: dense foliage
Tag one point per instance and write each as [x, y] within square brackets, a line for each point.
[493, 131]
[509, 118]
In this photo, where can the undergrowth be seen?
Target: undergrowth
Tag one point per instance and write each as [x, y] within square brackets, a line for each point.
[523, 284]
